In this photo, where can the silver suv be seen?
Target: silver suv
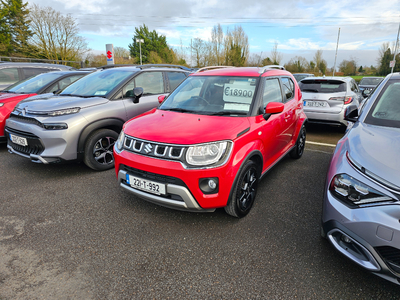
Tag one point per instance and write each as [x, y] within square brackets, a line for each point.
[325, 99]
[12, 72]
[84, 120]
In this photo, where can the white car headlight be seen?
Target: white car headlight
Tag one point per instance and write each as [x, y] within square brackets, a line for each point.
[56, 113]
[206, 154]
[120, 142]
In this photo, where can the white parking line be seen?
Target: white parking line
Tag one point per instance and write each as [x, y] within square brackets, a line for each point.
[321, 144]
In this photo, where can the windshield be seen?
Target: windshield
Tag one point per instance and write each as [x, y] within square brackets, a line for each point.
[213, 95]
[386, 109]
[370, 81]
[33, 84]
[98, 83]
[322, 86]
[302, 76]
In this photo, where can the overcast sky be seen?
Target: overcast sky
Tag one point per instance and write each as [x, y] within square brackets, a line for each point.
[299, 27]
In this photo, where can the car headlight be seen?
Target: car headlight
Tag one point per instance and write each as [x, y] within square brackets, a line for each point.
[120, 141]
[206, 154]
[354, 192]
[1, 104]
[56, 113]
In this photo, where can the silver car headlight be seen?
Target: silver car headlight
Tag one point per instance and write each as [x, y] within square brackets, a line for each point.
[206, 154]
[119, 144]
[55, 113]
[354, 192]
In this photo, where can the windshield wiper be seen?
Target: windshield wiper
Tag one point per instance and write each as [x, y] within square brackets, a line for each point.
[228, 113]
[73, 95]
[180, 110]
[7, 92]
[310, 90]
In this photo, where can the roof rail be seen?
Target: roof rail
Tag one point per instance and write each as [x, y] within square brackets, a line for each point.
[163, 66]
[212, 68]
[117, 66]
[270, 67]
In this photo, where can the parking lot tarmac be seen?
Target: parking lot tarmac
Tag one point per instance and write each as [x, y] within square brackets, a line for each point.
[67, 232]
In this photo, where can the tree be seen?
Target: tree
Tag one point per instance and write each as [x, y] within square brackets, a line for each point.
[236, 47]
[55, 36]
[320, 63]
[14, 28]
[121, 52]
[153, 42]
[348, 67]
[298, 64]
[199, 51]
[276, 56]
[385, 57]
[217, 42]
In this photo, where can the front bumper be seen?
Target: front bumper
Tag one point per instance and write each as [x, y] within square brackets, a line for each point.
[370, 235]
[44, 146]
[182, 185]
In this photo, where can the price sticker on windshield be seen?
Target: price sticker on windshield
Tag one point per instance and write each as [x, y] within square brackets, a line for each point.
[239, 92]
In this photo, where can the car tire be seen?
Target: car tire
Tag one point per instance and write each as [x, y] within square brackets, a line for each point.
[99, 149]
[298, 149]
[244, 191]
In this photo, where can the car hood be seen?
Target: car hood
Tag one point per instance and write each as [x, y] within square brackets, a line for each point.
[376, 149]
[184, 128]
[8, 97]
[49, 103]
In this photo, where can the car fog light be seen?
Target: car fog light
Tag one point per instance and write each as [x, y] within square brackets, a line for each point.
[209, 185]
[346, 239]
[212, 184]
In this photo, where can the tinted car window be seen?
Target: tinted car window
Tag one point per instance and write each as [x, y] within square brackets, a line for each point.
[288, 87]
[272, 91]
[9, 75]
[151, 82]
[33, 84]
[175, 78]
[29, 72]
[322, 86]
[370, 81]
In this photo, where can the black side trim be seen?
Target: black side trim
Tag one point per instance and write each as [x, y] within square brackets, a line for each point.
[243, 132]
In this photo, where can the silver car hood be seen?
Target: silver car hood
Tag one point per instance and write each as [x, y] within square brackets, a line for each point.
[376, 149]
[50, 103]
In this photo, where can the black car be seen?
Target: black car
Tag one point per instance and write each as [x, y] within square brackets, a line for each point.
[369, 83]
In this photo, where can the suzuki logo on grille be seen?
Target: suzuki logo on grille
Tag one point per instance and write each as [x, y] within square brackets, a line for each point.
[148, 148]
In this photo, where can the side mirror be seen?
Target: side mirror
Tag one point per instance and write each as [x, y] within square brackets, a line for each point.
[273, 108]
[366, 93]
[161, 98]
[136, 93]
[351, 113]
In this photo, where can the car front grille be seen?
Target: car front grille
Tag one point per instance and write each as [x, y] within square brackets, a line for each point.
[35, 146]
[24, 119]
[391, 256]
[153, 149]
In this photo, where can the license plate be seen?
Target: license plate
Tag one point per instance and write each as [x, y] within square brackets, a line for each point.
[316, 104]
[145, 185]
[18, 140]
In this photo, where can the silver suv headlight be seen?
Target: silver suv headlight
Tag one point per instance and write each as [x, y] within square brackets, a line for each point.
[55, 113]
[206, 154]
[355, 193]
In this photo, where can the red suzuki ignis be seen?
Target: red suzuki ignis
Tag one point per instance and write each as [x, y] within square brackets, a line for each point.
[212, 139]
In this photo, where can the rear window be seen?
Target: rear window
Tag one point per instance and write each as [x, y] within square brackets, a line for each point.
[322, 86]
[370, 81]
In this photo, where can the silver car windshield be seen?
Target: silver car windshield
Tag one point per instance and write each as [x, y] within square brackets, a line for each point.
[33, 84]
[386, 109]
[213, 95]
[98, 83]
